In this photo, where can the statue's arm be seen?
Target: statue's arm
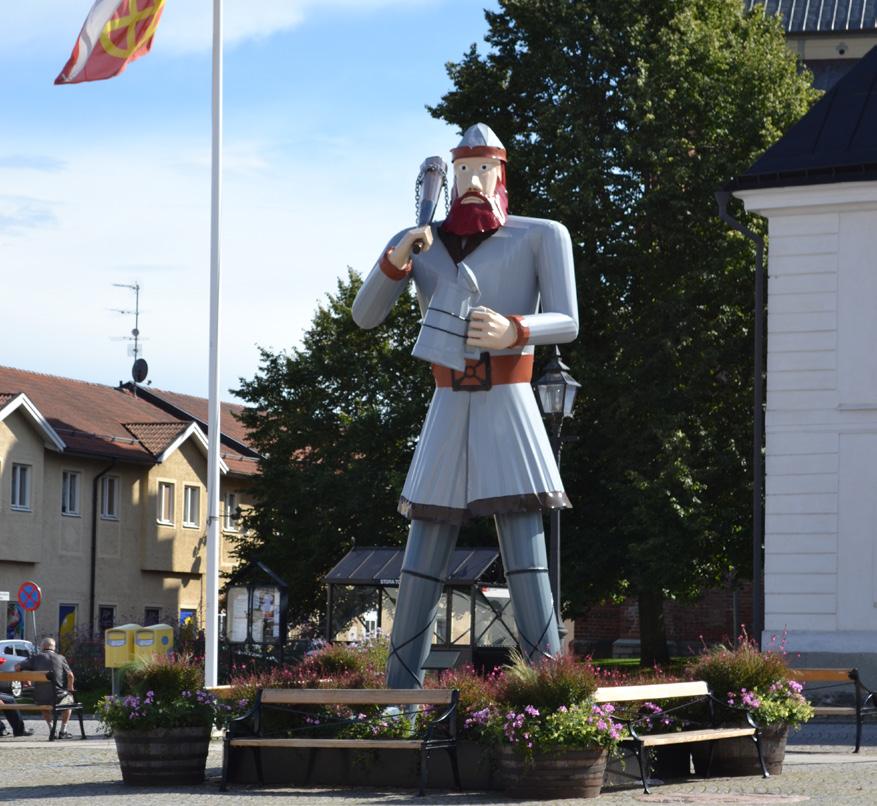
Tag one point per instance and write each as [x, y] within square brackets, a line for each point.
[558, 319]
[388, 278]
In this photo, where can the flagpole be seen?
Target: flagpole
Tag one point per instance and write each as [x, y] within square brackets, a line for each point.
[211, 642]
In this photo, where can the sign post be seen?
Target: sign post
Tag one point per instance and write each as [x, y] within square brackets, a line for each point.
[30, 597]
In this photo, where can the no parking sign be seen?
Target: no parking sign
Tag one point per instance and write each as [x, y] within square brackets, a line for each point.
[29, 595]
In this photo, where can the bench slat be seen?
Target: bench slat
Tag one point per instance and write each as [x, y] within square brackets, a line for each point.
[24, 677]
[658, 691]
[834, 710]
[821, 675]
[683, 737]
[362, 744]
[343, 696]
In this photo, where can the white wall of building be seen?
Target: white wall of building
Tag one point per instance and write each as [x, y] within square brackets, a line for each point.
[821, 417]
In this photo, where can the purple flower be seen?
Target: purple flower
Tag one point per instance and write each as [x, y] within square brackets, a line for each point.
[530, 710]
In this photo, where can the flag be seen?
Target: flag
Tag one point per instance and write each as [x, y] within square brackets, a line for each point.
[114, 33]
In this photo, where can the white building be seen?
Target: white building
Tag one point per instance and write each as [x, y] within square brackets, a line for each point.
[817, 187]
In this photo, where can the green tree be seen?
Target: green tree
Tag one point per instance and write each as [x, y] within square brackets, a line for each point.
[621, 119]
[336, 421]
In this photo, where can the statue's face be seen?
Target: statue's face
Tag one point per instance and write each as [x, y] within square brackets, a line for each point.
[478, 176]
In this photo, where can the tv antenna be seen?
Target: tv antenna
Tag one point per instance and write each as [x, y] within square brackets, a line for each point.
[140, 368]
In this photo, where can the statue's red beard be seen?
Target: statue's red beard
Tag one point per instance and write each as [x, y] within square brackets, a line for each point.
[489, 214]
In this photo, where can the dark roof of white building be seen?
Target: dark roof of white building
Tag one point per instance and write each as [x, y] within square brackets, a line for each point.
[822, 16]
[836, 141]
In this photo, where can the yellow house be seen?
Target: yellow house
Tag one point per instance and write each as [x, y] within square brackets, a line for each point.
[103, 501]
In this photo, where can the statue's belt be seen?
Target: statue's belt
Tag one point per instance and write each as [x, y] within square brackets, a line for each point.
[486, 372]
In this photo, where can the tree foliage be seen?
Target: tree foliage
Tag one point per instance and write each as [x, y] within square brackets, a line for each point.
[621, 119]
[336, 421]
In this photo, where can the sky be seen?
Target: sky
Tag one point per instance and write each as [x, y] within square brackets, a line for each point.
[108, 183]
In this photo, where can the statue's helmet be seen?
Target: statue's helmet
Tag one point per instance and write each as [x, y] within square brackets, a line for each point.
[479, 141]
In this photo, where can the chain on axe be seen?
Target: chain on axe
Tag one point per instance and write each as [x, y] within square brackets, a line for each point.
[432, 178]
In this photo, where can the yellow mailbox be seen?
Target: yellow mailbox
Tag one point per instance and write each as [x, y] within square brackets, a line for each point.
[155, 640]
[119, 645]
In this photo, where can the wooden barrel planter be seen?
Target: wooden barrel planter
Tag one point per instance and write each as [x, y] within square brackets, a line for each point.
[739, 756]
[552, 775]
[164, 756]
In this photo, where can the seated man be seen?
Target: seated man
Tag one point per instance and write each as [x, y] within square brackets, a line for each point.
[14, 718]
[57, 690]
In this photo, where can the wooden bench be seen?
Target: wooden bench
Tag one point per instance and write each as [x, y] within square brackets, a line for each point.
[36, 678]
[441, 732]
[691, 696]
[836, 678]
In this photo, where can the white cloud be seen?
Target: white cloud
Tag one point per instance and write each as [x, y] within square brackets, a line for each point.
[291, 225]
[21, 213]
[186, 24]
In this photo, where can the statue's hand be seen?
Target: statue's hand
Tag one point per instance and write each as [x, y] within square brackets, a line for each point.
[490, 330]
[402, 251]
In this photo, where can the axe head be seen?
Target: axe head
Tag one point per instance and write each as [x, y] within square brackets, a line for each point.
[432, 177]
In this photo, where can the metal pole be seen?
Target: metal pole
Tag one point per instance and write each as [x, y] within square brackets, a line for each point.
[554, 534]
[722, 198]
[211, 643]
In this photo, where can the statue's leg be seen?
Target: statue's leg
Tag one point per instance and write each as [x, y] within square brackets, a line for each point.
[522, 543]
[424, 568]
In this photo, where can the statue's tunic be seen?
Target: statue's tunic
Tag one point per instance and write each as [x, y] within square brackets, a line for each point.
[486, 452]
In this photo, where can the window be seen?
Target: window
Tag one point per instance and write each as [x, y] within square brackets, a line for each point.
[20, 487]
[166, 502]
[191, 506]
[231, 512]
[151, 616]
[70, 492]
[66, 626]
[109, 498]
[106, 617]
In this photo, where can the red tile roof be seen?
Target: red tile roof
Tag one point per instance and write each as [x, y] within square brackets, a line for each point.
[156, 437]
[91, 418]
[196, 407]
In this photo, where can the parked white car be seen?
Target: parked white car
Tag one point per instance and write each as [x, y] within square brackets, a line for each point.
[12, 652]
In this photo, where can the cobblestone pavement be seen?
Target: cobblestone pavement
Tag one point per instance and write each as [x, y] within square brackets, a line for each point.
[820, 769]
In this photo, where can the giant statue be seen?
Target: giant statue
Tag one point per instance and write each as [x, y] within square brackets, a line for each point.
[490, 286]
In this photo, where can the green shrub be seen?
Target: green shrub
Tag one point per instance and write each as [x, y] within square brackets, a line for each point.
[547, 684]
[167, 676]
[741, 665]
[164, 692]
[744, 676]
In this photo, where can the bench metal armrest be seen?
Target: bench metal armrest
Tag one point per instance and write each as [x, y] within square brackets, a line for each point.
[734, 709]
[241, 725]
[448, 721]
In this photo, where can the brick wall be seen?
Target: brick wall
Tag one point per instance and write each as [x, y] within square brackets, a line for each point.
[710, 618]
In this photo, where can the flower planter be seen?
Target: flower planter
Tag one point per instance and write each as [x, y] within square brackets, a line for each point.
[563, 773]
[163, 756]
[739, 756]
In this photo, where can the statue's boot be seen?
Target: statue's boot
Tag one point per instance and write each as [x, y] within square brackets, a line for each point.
[522, 544]
[424, 568]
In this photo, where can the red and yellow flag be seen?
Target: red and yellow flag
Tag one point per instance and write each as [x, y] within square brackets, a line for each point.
[114, 33]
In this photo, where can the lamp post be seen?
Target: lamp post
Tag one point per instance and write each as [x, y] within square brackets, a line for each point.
[556, 394]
